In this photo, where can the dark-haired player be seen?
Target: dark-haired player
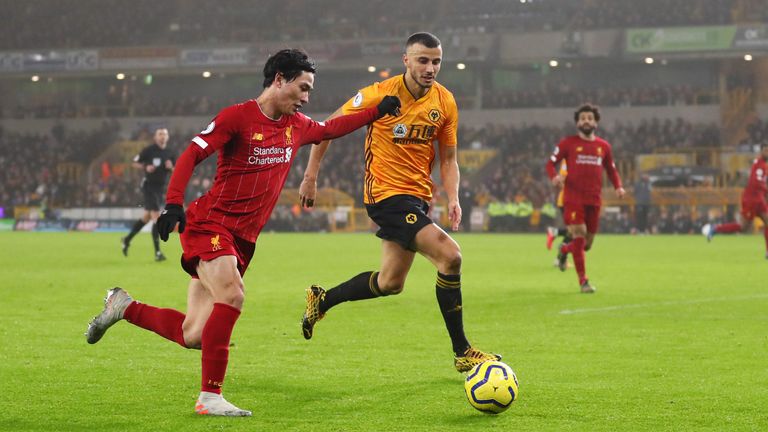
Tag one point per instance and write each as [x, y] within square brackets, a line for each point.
[586, 155]
[156, 161]
[399, 152]
[753, 203]
[256, 141]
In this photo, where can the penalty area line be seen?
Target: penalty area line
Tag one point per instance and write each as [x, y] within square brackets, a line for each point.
[666, 303]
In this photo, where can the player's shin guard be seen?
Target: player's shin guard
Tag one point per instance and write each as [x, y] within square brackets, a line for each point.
[448, 291]
[165, 322]
[361, 287]
[215, 345]
[576, 248]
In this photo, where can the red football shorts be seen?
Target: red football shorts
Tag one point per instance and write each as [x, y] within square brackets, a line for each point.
[751, 208]
[578, 214]
[206, 241]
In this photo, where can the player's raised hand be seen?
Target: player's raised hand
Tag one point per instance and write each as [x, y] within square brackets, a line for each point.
[168, 219]
[454, 215]
[308, 192]
[389, 105]
[620, 192]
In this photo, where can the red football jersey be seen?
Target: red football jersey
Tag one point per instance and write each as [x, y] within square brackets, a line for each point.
[255, 155]
[756, 185]
[586, 161]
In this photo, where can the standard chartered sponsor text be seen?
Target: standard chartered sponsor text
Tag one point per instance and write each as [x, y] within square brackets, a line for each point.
[589, 160]
[269, 155]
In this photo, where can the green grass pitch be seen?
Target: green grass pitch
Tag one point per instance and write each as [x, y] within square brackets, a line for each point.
[675, 339]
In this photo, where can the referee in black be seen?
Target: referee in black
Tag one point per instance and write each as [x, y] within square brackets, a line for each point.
[157, 163]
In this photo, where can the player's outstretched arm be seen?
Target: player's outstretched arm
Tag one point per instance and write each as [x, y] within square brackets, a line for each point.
[335, 126]
[308, 187]
[551, 167]
[613, 173]
[174, 210]
[449, 172]
[345, 124]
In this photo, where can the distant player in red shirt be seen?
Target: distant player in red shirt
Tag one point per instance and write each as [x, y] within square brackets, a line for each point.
[256, 141]
[753, 203]
[586, 155]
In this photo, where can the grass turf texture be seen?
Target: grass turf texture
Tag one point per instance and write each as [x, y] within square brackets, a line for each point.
[674, 339]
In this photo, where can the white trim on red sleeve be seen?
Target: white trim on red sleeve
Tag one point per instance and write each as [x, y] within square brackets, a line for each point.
[199, 141]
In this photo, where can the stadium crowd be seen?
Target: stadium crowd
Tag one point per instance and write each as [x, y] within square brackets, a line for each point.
[522, 151]
[35, 173]
[61, 167]
[145, 103]
[564, 95]
[45, 169]
[245, 21]
[757, 135]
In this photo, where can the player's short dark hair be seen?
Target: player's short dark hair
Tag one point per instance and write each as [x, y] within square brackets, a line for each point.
[289, 63]
[587, 107]
[427, 39]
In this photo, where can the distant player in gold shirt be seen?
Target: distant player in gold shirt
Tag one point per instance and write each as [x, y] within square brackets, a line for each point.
[399, 152]
[552, 232]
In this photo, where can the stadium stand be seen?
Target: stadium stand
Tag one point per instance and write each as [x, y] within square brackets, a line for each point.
[243, 21]
[707, 122]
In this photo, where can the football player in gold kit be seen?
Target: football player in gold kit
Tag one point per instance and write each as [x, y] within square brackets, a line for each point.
[399, 153]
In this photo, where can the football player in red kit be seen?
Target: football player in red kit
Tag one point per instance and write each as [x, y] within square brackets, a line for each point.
[753, 203]
[256, 142]
[587, 155]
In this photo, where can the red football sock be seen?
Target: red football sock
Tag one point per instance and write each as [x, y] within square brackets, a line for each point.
[165, 322]
[215, 345]
[728, 228]
[577, 250]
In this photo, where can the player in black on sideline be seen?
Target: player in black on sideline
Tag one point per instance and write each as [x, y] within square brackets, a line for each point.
[157, 163]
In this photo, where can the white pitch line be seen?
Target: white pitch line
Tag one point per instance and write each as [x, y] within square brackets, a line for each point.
[667, 303]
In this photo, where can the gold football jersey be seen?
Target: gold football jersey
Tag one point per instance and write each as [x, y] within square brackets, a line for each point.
[399, 151]
[561, 196]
